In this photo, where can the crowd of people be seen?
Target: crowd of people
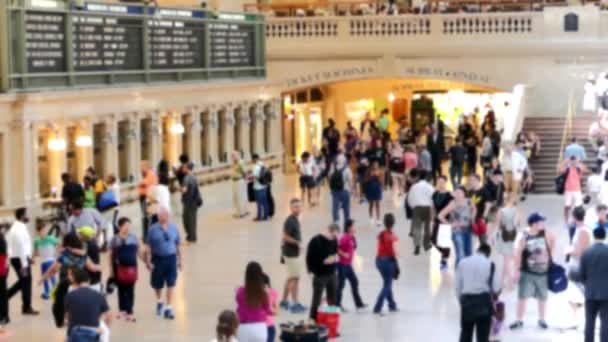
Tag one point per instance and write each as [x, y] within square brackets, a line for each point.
[472, 203]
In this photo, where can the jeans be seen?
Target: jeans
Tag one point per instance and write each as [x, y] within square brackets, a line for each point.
[322, 283]
[346, 272]
[189, 218]
[340, 199]
[592, 309]
[261, 200]
[3, 301]
[455, 175]
[480, 325]
[78, 334]
[462, 244]
[49, 283]
[126, 297]
[23, 284]
[272, 333]
[386, 267]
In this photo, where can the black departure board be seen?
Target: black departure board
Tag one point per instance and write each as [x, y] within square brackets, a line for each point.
[232, 45]
[107, 43]
[176, 44]
[45, 42]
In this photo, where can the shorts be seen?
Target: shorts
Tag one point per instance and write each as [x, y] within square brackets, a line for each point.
[533, 286]
[573, 198]
[164, 271]
[307, 182]
[293, 267]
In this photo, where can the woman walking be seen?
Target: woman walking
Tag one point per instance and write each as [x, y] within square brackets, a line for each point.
[346, 251]
[507, 220]
[397, 168]
[441, 199]
[386, 262]
[373, 192]
[123, 257]
[459, 214]
[253, 306]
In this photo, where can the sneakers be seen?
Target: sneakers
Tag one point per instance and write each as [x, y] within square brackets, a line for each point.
[284, 305]
[542, 324]
[443, 265]
[298, 308]
[516, 325]
[45, 296]
[169, 314]
[417, 250]
[361, 308]
[159, 309]
[30, 312]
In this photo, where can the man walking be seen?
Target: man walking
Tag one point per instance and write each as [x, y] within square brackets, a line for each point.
[436, 146]
[321, 259]
[191, 201]
[573, 195]
[148, 181]
[457, 158]
[476, 283]
[260, 188]
[513, 165]
[19, 245]
[594, 276]
[163, 258]
[420, 199]
[340, 184]
[292, 244]
[533, 255]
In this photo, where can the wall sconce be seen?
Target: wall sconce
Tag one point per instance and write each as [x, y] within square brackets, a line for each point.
[84, 141]
[177, 128]
[57, 144]
[391, 97]
[290, 116]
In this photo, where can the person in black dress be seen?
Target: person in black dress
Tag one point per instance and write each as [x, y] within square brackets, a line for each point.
[441, 198]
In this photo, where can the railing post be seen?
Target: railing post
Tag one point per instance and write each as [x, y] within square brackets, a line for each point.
[343, 27]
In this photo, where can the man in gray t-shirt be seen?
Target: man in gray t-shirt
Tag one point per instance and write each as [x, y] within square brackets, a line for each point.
[191, 200]
[290, 250]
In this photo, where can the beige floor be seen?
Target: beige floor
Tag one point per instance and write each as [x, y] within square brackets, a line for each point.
[215, 267]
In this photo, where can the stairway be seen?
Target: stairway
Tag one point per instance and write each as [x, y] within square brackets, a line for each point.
[550, 131]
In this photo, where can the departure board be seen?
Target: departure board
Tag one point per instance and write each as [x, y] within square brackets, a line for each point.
[232, 45]
[106, 43]
[45, 42]
[56, 43]
[176, 44]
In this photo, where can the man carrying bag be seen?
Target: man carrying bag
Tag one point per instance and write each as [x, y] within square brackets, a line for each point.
[476, 283]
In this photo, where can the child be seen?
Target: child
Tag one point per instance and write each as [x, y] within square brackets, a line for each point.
[45, 246]
[227, 326]
[594, 185]
[274, 307]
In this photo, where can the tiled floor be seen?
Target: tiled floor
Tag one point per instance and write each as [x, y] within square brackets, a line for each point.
[215, 266]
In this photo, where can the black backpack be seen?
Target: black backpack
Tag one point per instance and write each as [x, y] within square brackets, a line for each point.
[336, 180]
[560, 182]
[265, 176]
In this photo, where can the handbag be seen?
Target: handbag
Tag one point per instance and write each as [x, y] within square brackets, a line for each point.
[126, 274]
[291, 332]
[107, 200]
[557, 280]
[479, 227]
[475, 306]
[444, 235]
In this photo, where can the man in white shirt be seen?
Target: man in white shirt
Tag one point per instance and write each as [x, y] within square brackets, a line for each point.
[420, 199]
[513, 166]
[307, 169]
[260, 189]
[19, 247]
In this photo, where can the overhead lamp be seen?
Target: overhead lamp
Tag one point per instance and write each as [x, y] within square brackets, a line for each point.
[177, 128]
[84, 141]
[391, 97]
[57, 144]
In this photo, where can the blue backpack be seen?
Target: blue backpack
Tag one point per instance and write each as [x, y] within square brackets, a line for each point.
[556, 275]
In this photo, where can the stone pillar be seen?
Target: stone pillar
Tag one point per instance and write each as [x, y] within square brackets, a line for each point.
[260, 119]
[110, 141]
[212, 136]
[155, 140]
[276, 117]
[58, 162]
[229, 122]
[19, 174]
[84, 154]
[194, 127]
[134, 147]
[245, 121]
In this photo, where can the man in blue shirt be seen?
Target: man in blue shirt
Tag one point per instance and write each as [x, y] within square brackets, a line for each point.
[163, 258]
[575, 150]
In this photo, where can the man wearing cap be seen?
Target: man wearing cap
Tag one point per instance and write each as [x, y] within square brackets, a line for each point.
[533, 255]
[594, 276]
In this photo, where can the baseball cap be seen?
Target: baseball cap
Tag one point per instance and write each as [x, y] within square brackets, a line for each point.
[87, 232]
[535, 218]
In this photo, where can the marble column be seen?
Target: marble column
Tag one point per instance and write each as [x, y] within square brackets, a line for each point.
[134, 147]
[211, 124]
[194, 143]
[228, 136]
[84, 154]
[276, 117]
[19, 173]
[155, 140]
[244, 133]
[110, 148]
[260, 121]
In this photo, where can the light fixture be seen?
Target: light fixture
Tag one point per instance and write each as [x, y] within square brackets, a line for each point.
[391, 97]
[84, 141]
[57, 144]
[177, 128]
[287, 101]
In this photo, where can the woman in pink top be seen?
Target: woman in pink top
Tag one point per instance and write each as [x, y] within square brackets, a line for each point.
[253, 306]
[410, 158]
[346, 249]
[274, 306]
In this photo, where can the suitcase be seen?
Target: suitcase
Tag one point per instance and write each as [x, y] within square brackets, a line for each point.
[291, 332]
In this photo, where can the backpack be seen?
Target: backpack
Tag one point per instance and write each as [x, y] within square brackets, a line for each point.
[336, 180]
[265, 177]
[560, 182]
